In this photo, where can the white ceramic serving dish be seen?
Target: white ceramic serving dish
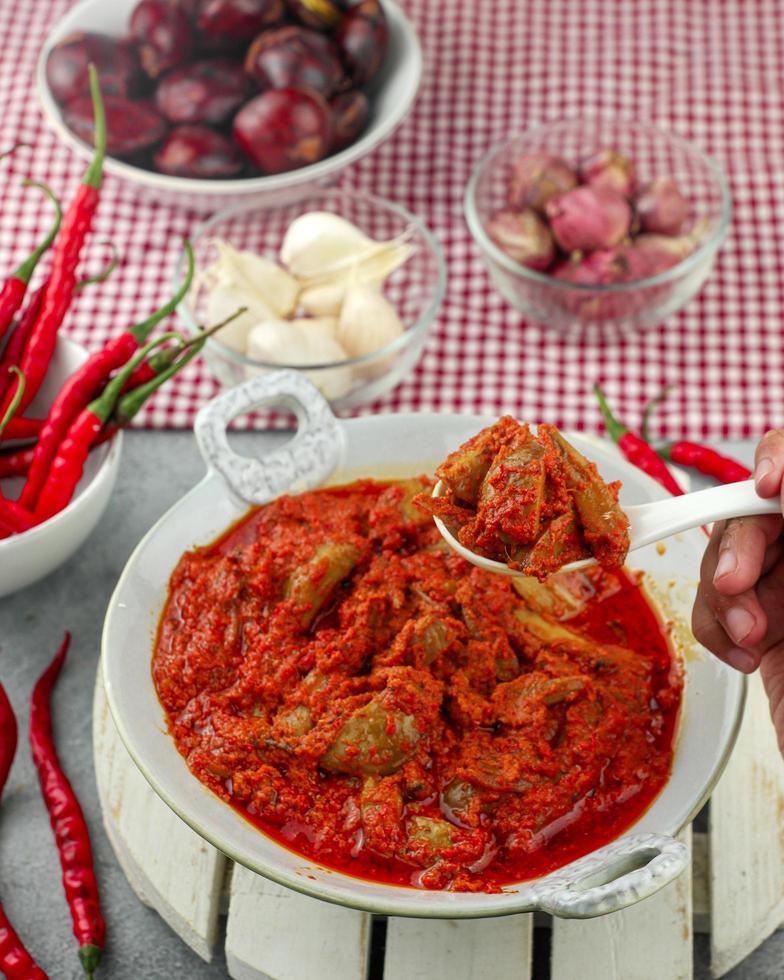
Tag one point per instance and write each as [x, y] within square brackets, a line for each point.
[392, 96]
[29, 557]
[325, 449]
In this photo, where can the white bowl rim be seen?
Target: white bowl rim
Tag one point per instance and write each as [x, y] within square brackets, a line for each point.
[83, 498]
[372, 137]
[421, 324]
[412, 905]
[703, 251]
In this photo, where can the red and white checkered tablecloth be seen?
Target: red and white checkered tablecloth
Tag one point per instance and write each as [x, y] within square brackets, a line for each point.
[711, 71]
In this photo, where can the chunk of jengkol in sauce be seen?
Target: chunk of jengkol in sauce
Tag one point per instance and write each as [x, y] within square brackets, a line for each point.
[379, 705]
[529, 500]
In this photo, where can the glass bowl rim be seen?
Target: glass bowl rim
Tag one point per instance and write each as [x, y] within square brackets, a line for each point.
[419, 327]
[705, 249]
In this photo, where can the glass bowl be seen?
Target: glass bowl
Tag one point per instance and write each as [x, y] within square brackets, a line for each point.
[578, 309]
[415, 289]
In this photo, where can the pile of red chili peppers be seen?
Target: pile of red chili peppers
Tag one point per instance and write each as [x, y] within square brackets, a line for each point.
[653, 459]
[103, 394]
[68, 826]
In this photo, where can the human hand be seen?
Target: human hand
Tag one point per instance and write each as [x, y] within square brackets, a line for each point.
[739, 610]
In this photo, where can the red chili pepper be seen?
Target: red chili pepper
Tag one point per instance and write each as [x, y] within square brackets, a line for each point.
[705, 460]
[15, 962]
[16, 463]
[68, 464]
[23, 428]
[636, 449]
[15, 286]
[83, 385]
[17, 342]
[62, 278]
[68, 824]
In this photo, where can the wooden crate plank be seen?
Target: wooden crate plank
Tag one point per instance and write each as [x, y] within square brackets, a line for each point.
[746, 840]
[274, 933]
[650, 939]
[459, 949]
[169, 866]
[700, 886]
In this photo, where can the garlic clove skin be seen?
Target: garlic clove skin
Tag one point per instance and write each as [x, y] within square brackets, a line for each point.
[292, 343]
[252, 275]
[368, 322]
[323, 296]
[317, 240]
[319, 326]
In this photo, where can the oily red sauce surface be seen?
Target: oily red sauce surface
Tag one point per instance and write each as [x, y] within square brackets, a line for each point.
[370, 700]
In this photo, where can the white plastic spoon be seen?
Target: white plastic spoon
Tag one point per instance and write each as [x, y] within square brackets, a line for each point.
[652, 521]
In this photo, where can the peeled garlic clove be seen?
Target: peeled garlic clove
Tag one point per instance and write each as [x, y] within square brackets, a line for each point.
[323, 296]
[323, 299]
[315, 241]
[368, 322]
[318, 326]
[288, 342]
[253, 276]
[222, 301]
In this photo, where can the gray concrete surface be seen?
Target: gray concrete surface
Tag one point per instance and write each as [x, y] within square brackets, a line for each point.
[157, 468]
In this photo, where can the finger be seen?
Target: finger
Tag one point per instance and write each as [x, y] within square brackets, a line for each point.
[742, 549]
[710, 557]
[712, 635]
[742, 617]
[769, 463]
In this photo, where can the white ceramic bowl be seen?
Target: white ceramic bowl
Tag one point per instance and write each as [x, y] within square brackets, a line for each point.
[392, 96]
[29, 557]
[607, 879]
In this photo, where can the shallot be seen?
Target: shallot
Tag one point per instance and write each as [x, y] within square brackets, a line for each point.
[536, 177]
[524, 236]
[661, 207]
[588, 218]
[610, 170]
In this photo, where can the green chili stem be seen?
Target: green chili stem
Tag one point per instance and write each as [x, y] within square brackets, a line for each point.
[650, 408]
[142, 330]
[105, 273]
[131, 403]
[615, 429]
[25, 269]
[103, 406]
[160, 361]
[14, 148]
[16, 400]
[94, 172]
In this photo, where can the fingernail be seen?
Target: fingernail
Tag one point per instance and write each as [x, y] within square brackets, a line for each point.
[741, 660]
[739, 622]
[761, 470]
[726, 564]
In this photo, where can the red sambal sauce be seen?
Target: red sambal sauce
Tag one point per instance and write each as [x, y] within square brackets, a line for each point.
[372, 701]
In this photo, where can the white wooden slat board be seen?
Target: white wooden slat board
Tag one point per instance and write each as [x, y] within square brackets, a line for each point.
[453, 949]
[168, 865]
[265, 938]
[649, 941]
[276, 933]
[746, 840]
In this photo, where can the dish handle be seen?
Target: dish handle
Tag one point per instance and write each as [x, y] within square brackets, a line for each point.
[303, 462]
[614, 877]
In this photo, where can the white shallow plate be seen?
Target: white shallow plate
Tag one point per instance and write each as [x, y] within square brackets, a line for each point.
[392, 96]
[385, 447]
